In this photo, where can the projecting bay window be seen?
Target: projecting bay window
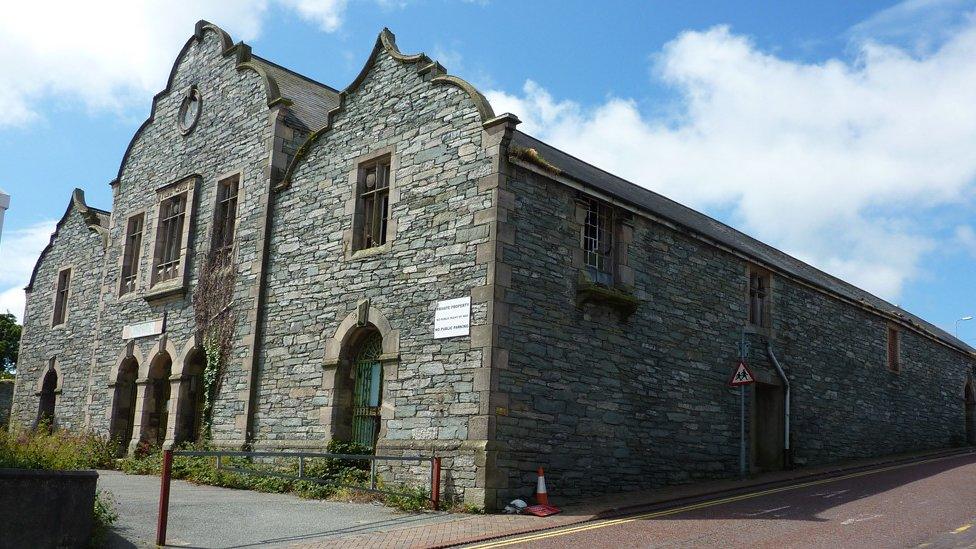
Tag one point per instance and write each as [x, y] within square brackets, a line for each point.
[131, 253]
[225, 218]
[759, 299]
[169, 238]
[61, 297]
[598, 241]
[374, 203]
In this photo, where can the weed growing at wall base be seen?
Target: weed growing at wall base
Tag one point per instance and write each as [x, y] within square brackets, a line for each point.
[58, 450]
[328, 478]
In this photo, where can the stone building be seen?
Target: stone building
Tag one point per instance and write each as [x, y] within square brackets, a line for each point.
[590, 326]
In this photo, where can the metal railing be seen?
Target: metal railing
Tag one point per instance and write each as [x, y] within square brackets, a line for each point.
[166, 476]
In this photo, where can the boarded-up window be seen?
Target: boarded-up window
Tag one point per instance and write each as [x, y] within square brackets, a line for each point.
[131, 253]
[894, 350]
[759, 299]
[374, 203]
[225, 217]
[598, 241]
[61, 297]
[169, 237]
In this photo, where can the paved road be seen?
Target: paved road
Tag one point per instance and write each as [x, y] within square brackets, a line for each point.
[205, 516]
[929, 504]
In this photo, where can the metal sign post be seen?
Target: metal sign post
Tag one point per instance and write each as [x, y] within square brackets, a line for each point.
[742, 430]
[741, 377]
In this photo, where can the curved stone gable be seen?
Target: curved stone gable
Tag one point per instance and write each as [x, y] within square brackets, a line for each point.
[427, 69]
[206, 35]
[97, 221]
[78, 244]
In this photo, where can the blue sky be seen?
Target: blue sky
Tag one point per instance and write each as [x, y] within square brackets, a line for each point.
[840, 132]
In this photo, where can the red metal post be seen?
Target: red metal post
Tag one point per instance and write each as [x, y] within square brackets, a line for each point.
[164, 497]
[435, 483]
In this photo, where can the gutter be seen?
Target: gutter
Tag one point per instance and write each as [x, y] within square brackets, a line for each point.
[787, 454]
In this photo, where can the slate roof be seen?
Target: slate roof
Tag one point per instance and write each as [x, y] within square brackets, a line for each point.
[650, 201]
[312, 100]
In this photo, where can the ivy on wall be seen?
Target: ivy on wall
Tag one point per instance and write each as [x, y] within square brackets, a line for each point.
[213, 305]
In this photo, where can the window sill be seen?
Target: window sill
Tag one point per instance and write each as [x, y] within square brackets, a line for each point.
[370, 252]
[620, 299]
[768, 333]
[130, 295]
[165, 290]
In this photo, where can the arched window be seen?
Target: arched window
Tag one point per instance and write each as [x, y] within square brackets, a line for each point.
[189, 413]
[368, 390]
[45, 409]
[124, 404]
[156, 404]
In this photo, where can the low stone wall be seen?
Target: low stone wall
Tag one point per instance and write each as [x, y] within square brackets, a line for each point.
[46, 508]
[6, 399]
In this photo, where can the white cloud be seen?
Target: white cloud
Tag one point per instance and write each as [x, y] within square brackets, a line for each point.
[966, 239]
[112, 54]
[326, 13]
[19, 250]
[817, 159]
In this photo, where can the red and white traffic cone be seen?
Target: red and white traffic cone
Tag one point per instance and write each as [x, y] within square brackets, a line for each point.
[541, 497]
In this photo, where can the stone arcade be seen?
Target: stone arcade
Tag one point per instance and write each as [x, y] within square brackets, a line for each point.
[603, 320]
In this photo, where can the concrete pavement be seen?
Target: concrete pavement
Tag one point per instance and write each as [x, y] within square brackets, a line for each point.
[206, 516]
[748, 512]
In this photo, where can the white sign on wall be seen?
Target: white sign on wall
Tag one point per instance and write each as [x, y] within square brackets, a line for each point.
[143, 329]
[452, 318]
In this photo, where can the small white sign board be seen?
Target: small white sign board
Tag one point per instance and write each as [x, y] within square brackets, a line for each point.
[452, 318]
[143, 329]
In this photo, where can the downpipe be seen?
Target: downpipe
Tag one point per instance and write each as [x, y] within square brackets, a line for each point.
[787, 452]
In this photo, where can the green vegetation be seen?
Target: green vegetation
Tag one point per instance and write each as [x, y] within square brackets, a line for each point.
[104, 517]
[329, 478]
[60, 450]
[9, 345]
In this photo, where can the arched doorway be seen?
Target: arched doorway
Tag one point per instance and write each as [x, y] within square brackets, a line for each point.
[970, 395]
[124, 404]
[49, 398]
[189, 412]
[359, 388]
[156, 404]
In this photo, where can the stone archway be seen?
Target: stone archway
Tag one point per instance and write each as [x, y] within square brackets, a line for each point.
[124, 403]
[48, 401]
[155, 405]
[358, 388]
[361, 354]
[970, 403]
[190, 397]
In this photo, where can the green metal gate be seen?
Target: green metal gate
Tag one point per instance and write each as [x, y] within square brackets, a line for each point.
[366, 406]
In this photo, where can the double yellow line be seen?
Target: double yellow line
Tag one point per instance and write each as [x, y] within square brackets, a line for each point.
[526, 538]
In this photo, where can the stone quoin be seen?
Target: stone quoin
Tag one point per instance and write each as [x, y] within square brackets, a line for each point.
[601, 326]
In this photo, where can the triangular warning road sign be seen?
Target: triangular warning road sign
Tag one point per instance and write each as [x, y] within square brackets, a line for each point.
[741, 375]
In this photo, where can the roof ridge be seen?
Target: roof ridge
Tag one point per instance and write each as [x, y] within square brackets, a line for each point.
[845, 289]
[293, 72]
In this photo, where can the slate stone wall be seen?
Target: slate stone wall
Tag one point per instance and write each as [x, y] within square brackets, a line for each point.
[607, 404]
[232, 134]
[70, 344]
[315, 281]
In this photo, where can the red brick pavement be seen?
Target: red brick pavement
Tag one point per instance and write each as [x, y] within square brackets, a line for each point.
[472, 528]
[466, 529]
